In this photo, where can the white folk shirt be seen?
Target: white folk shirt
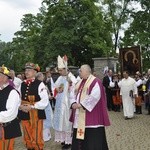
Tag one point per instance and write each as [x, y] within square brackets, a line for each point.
[42, 91]
[17, 82]
[12, 105]
[139, 82]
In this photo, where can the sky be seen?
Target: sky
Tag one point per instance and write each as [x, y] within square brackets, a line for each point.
[11, 13]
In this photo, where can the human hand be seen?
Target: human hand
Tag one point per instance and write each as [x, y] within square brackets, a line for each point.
[25, 108]
[60, 89]
[135, 95]
[79, 105]
[74, 106]
[28, 107]
[109, 87]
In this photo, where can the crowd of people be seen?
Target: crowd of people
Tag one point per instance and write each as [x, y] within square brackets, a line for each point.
[32, 103]
[75, 107]
[127, 92]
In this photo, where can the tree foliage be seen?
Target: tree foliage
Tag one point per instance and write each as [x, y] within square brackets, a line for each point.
[23, 44]
[118, 13]
[139, 32]
[78, 28]
[75, 28]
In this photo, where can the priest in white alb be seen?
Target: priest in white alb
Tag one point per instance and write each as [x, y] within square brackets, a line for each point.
[128, 92]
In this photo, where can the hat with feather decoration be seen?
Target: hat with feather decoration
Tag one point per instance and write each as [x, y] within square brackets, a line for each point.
[6, 71]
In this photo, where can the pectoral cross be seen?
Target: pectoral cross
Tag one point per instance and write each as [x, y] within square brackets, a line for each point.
[80, 132]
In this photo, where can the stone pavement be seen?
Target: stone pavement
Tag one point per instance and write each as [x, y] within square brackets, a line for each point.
[133, 134]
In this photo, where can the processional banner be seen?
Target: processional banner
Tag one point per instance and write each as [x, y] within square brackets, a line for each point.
[130, 59]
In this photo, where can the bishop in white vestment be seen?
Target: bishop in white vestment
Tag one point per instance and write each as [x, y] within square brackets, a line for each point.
[62, 125]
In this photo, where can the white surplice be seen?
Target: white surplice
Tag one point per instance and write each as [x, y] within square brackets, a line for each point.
[126, 85]
[62, 125]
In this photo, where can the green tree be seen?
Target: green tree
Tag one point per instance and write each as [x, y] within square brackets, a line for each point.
[139, 32]
[23, 43]
[75, 28]
[2, 50]
[118, 13]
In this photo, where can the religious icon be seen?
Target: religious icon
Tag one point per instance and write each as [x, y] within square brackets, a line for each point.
[131, 56]
[130, 59]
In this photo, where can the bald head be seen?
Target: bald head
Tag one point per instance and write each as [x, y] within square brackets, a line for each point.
[85, 71]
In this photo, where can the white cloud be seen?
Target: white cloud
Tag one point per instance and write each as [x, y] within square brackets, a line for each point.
[21, 3]
[11, 12]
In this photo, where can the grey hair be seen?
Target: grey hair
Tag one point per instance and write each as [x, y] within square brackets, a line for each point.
[87, 68]
[13, 72]
[38, 75]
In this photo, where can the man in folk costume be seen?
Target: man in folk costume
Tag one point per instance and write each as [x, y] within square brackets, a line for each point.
[115, 92]
[9, 104]
[128, 91]
[89, 113]
[62, 126]
[34, 100]
[47, 123]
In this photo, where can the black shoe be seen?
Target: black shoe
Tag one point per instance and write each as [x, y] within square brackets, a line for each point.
[139, 113]
[66, 146]
[126, 118]
[109, 109]
[62, 143]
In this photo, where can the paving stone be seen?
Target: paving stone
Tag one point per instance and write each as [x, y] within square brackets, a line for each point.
[132, 134]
